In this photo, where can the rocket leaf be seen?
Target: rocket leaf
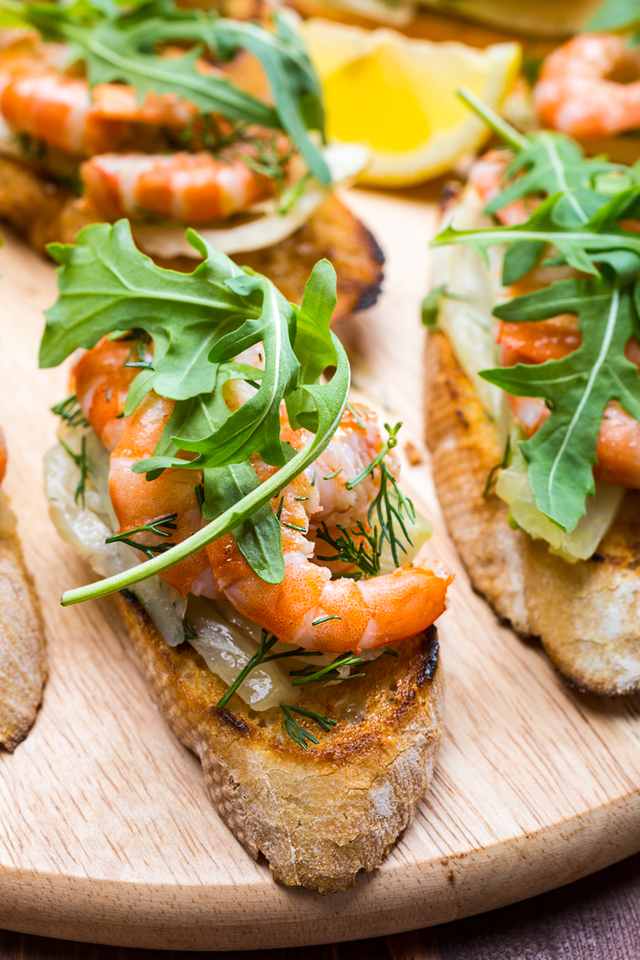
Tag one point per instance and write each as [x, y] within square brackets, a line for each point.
[562, 453]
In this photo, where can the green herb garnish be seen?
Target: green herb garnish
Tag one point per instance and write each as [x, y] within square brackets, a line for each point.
[267, 641]
[309, 674]
[622, 15]
[80, 460]
[296, 732]
[70, 411]
[580, 219]
[163, 527]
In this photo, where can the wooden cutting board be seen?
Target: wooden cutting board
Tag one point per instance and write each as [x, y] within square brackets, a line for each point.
[107, 833]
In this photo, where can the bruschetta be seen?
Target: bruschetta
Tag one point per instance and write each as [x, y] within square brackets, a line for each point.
[534, 399]
[281, 612]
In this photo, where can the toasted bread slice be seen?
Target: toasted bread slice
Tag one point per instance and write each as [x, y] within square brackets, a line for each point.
[44, 212]
[22, 647]
[318, 816]
[587, 614]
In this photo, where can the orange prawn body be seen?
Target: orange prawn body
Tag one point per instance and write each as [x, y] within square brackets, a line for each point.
[137, 501]
[183, 187]
[576, 92]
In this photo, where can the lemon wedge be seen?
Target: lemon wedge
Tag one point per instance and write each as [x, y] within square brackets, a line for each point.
[398, 96]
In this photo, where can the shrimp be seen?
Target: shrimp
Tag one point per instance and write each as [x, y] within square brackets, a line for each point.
[102, 379]
[486, 177]
[308, 608]
[576, 92]
[185, 187]
[618, 447]
[37, 98]
[137, 501]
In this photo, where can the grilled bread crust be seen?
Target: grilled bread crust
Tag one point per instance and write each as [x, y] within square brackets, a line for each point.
[22, 646]
[318, 816]
[44, 212]
[587, 614]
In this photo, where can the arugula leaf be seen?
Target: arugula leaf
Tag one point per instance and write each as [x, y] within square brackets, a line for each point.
[551, 163]
[561, 454]
[313, 345]
[119, 47]
[615, 15]
[580, 245]
[259, 537]
[199, 322]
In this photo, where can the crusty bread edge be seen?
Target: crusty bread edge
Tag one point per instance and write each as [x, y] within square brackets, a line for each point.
[319, 817]
[23, 670]
[568, 606]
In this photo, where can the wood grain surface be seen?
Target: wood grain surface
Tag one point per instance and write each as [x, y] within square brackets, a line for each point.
[597, 918]
[106, 831]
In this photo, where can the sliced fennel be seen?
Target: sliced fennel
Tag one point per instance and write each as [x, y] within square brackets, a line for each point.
[345, 161]
[466, 316]
[86, 530]
[514, 488]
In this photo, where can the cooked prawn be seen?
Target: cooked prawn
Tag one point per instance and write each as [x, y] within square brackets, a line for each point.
[38, 98]
[101, 379]
[576, 92]
[310, 609]
[618, 449]
[137, 501]
[187, 187]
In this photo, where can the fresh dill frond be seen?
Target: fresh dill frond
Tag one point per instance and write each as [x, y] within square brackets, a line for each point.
[358, 547]
[70, 411]
[268, 160]
[298, 733]
[80, 460]
[391, 507]
[267, 641]
[331, 672]
[190, 632]
[161, 528]
[387, 519]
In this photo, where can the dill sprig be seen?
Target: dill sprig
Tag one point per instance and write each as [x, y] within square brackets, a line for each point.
[298, 733]
[70, 411]
[80, 460]
[387, 519]
[357, 546]
[267, 641]
[330, 672]
[161, 528]
[268, 160]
